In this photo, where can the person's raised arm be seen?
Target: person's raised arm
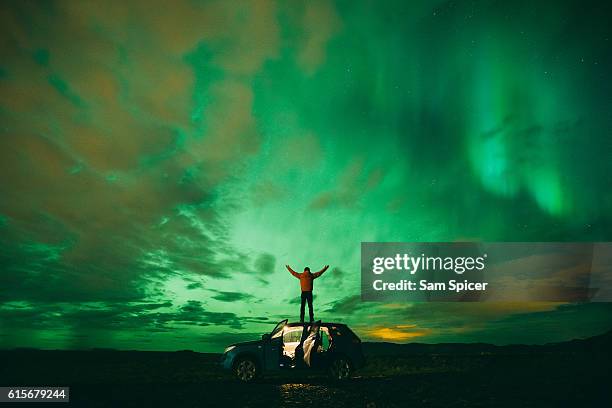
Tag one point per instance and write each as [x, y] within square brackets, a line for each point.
[317, 274]
[291, 271]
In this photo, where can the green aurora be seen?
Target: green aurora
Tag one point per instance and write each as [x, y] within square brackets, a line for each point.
[160, 163]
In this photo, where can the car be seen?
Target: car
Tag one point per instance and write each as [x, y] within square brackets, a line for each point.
[297, 347]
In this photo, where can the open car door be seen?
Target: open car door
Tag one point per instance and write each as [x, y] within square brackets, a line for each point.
[278, 328]
[273, 347]
[311, 342]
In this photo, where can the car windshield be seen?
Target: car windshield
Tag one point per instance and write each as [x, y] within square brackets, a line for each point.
[278, 329]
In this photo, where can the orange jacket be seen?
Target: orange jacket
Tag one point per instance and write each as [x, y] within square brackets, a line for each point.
[306, 278]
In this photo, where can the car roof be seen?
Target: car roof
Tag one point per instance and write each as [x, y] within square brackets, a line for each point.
[297, 324]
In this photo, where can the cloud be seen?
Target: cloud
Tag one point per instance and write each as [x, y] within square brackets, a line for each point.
[115, 316]
[265, 263]
[355, 180]
[556, 324]
[336, 274]
[266, 192]
[296, 300]
[444, 321]
[319, 22]
[218, 341]
[111, 176]
[346, 306]
[223, 296]
[303, 150]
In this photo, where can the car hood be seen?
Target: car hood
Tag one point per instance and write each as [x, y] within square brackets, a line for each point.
[246, 343]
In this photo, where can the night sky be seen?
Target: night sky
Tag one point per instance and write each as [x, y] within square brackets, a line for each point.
[161, 163]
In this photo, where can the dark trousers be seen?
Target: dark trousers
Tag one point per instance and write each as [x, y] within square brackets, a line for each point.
[306, 296]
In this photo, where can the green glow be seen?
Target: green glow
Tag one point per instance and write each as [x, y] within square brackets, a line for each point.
[158, 171]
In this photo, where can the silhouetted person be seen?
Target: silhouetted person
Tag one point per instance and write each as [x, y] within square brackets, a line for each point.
[306, 279]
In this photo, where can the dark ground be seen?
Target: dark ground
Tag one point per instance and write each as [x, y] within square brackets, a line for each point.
[575, 374]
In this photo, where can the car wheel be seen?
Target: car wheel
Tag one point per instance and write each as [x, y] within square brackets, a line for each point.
[246, 369]
[340, 369]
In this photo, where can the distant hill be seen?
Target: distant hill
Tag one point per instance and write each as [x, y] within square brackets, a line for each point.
[600, 342]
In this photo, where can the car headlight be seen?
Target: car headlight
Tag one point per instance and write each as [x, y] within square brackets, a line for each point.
[228, 349]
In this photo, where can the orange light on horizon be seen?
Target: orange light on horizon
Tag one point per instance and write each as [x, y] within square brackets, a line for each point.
[397, 333]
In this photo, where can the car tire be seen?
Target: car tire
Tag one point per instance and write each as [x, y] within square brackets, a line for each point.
[340, 368]
[246, 369]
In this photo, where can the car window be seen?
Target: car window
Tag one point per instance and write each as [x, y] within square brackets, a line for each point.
[324, 340]
[278, 330]
[335, 332]
[352, 335]
[292, 335]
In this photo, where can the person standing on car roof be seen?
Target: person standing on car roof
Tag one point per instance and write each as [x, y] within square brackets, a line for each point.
[306, 279]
